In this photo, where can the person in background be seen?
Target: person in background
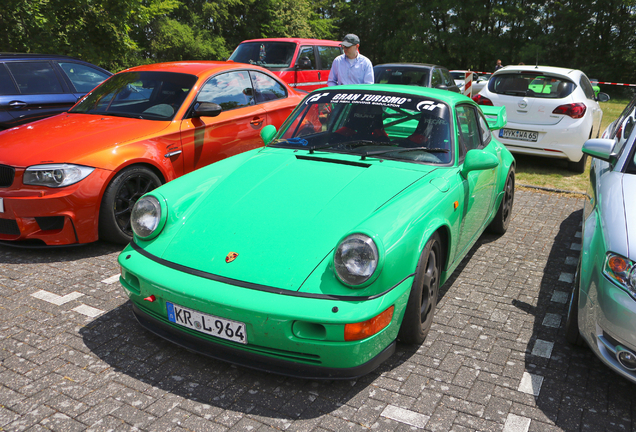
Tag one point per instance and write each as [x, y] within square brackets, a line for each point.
[499, 66]
[350, 67]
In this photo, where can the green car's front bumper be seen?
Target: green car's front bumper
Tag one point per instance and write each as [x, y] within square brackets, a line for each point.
[287, 332]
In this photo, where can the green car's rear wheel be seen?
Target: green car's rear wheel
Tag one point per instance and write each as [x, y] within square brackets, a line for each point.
[499, 224]
[420, 309]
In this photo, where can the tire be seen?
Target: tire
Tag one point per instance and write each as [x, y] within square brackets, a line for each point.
[422, 302]
[572, 333]
[117, 203]
[499, 224]
[578, 167]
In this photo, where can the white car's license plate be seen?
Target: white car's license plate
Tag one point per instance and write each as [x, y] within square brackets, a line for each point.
[208, 324]
[518, 135]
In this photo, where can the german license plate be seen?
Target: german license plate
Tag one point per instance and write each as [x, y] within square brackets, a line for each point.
[208, 324]
[518, 135]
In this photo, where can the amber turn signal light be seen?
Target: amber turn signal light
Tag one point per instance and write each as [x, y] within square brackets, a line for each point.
[368, 328]
[617, 264]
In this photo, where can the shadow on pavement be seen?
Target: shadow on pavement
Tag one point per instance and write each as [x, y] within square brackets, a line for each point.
[571, 386]
[117, 339]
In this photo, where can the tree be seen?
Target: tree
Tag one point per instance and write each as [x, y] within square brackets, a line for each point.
[99, 31]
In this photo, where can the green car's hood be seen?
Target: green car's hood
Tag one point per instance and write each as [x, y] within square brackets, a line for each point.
[281, 214]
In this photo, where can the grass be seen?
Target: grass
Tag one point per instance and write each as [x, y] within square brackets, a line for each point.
[554, 173]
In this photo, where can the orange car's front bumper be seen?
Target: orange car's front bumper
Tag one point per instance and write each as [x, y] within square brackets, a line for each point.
[52, 216]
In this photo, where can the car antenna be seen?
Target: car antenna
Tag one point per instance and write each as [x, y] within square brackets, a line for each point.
[536, 65]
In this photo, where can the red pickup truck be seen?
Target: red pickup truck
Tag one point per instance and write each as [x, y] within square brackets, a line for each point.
[302, 63]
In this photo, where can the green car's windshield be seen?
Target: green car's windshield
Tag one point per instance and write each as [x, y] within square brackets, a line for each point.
[145, 95]
[395, 126]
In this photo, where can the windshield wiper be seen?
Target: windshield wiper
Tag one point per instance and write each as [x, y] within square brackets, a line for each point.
[347, 145]
[350, 145]
[404, 150]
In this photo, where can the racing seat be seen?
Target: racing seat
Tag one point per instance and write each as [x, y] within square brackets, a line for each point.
[431, 131]
[364, 123]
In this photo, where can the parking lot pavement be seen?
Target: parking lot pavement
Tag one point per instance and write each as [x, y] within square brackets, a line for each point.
[74, 358]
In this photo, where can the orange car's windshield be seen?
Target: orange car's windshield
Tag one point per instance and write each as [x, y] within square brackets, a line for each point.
[146, 95]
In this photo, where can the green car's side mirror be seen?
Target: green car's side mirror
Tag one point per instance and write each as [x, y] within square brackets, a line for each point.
[478, 160]
[268, 133]
[495, 116]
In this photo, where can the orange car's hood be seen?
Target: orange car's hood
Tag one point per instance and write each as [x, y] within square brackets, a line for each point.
[70, 138]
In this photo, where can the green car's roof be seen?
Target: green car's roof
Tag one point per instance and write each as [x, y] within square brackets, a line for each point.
[447, 96]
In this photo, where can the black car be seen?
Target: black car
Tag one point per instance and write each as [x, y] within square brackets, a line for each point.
[35, 86]
[421, 74]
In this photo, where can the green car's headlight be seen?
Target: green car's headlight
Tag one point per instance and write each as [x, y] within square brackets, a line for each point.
[622, 271]
[356, 259]
[147, 217]
[55, 175]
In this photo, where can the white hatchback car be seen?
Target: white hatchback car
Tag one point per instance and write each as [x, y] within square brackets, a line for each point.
[551, 111]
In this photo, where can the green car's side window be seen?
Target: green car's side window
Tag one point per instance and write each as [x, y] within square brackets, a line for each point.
[468, 128]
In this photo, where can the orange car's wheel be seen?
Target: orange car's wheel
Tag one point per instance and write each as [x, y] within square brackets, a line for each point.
[117, 203]
[422, 302]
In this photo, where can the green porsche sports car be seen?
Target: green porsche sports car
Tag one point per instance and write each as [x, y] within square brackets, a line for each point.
[314, 255]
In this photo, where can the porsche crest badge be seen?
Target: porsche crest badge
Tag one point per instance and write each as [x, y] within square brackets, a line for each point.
[231, 257]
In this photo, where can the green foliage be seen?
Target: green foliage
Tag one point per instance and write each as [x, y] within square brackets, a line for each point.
[596, 36]
[99, 31]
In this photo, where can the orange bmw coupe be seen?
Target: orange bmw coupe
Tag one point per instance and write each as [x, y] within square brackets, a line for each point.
[74, 178]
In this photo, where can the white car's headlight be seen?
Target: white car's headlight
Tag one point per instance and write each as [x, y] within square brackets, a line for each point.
[55, 175]
[147, 217]
[356, 259]
[622, 271]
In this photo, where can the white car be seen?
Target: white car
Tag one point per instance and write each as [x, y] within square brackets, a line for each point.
[551, 111]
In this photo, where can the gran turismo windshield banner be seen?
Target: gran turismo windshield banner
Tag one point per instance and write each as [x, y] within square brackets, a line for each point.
[375, 98]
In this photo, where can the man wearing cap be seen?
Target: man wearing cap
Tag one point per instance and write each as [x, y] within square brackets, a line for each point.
[350, 67]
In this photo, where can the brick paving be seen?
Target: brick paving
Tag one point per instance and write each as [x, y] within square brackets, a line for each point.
[73, 358]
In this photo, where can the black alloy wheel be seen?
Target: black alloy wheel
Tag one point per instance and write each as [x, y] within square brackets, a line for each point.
[422, 302]
[499, 224]
[119, 199]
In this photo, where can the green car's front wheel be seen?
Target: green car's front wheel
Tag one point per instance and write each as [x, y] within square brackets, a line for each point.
[420, 309]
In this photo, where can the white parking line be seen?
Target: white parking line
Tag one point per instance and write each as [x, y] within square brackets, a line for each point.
[88, 311]
[405, 416]
[54, 298]
[515, 423]
[112, 279]
[560, 297]
[531, 384]
[542, 348]
[552, 320]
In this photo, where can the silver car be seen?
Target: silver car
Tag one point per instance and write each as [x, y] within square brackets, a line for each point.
[602, 311]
